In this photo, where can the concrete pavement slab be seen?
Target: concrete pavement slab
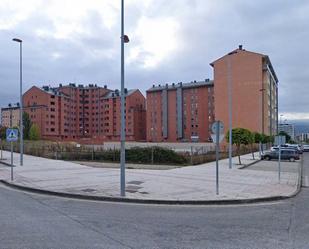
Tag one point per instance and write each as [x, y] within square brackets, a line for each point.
[191, 183]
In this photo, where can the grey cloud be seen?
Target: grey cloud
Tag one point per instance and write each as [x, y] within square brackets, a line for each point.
[208, 30]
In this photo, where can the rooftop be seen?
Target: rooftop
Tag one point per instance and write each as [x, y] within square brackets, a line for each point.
[240, 49]
[116, 93]
[172, 86]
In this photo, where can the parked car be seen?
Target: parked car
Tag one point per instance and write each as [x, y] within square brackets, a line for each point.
[297, 146]
[288, 146]
[306, 147]
[286, 154]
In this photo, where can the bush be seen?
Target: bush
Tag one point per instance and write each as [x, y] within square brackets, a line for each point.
[34, 133]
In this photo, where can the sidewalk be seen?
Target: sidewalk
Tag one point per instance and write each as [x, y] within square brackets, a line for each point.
[191, 184]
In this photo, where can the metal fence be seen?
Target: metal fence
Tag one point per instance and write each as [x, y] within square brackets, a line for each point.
[142, 153]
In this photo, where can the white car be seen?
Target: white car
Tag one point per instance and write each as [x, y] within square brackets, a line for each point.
[306, 147]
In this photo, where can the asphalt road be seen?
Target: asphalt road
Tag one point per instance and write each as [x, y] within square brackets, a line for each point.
[37, 221]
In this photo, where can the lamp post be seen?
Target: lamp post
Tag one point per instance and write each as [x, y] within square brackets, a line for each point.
[230, 113]
[124, 39]
[263, 110]
[230, 107]
[21, 125]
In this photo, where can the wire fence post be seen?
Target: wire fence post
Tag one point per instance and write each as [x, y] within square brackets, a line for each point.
[152, 155]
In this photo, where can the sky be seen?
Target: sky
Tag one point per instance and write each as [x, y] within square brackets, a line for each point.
[77, 41]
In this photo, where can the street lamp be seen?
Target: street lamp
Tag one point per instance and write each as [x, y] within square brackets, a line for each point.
[230, 102]
[124, 39]
[21, 126]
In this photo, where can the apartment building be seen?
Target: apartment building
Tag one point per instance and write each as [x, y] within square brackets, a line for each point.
[254, 91]
[75, 112]
[288, 129]
[180, 112]
[10, 112]
[135, 115]
[302, 137]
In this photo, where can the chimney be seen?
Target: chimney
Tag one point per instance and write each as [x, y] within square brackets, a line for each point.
[240, 47]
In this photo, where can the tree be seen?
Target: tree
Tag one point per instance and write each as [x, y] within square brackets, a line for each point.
[27, 125]
[239, 136]
[34, 132]
[251, 140]
[287, 136]
[2, 133]
[257, 137]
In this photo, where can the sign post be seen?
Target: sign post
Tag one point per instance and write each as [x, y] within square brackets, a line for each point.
[217, 137]
[12, 136]
[279, 140]
[1, 148]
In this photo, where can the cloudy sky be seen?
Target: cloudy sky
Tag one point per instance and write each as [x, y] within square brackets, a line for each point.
[171, 41]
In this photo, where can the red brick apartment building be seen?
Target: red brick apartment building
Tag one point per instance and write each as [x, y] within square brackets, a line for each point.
[135, 113]
[180, 112]
[254, 91]
[78, 113]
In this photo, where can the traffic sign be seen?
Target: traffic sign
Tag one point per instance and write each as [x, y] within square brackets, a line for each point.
[214, 127]
[214, 138]
[11, 135]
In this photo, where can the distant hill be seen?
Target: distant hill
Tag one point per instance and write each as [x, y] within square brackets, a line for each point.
[301, 126]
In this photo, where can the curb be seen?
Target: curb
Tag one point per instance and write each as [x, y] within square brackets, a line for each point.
[149, 201]
[250, 164]
[6, 164]
[160, 202]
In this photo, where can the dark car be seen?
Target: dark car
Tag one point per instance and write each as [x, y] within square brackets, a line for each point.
[286, 154]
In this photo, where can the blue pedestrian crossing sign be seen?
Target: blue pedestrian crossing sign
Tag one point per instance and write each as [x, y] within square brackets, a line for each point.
[11, 135]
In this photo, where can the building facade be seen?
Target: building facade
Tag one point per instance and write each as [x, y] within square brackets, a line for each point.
[302, 137]
[288, 129]
[78, 113]
[252, 83]
[180, 112]
[135, 115]
[10, 112]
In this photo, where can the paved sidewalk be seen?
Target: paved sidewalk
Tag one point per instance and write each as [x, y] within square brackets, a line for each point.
[194, 183]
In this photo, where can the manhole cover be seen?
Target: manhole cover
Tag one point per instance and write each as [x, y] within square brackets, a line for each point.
[87, 190]
[135, 182]
[131, 191]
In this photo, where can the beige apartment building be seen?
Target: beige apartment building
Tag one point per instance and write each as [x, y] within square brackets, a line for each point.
[6, 113]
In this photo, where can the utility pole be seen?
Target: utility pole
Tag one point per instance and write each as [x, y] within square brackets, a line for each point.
[230, 112]
[124, 39]
[21, 125]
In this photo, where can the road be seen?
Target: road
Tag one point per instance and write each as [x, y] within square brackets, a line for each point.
[38, 221]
